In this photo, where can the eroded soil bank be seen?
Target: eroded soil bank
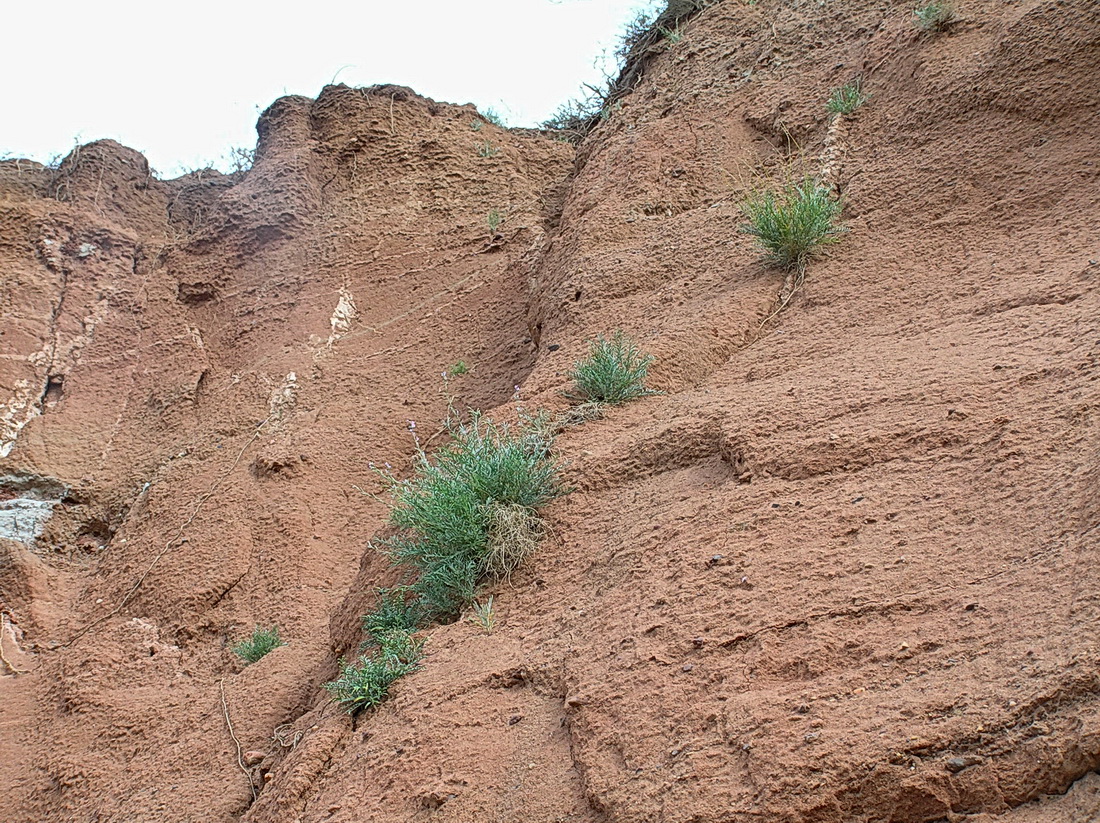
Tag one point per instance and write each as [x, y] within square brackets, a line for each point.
[843, 569]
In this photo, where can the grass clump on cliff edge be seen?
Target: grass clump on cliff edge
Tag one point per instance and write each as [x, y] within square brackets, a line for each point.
[259, 644]
[793, 223]
[613, 372]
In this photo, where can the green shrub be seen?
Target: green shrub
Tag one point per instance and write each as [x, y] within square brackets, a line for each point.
[365, 683]
[613, 372]
[448, 509]
[847, 98]
[467, 514]
[260, 643]
[458, 369]
[936, 16]
[487, 149]
[793, 223]
[494, 220]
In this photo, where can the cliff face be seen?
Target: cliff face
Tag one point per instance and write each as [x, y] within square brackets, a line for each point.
[842, 569]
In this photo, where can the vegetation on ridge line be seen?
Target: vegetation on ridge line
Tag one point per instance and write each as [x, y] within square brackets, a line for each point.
[641, 37]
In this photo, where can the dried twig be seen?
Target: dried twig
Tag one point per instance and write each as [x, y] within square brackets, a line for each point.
[236, 741]
[287, 736]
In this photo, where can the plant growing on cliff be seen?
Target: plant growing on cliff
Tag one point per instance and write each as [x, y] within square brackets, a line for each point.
[794, 222]
[487, 149]
[395, 612]
[639, 38]
[259, 644]
[484, 615]
[936, 16]
[491, 115]
[365, 683]
[673, 35]
[613, 372]
[469, 513]
[847, 98]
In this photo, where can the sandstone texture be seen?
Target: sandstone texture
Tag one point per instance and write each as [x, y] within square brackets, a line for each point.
[843, 568]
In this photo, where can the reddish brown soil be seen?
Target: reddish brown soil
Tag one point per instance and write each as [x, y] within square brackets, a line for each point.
[844, 569]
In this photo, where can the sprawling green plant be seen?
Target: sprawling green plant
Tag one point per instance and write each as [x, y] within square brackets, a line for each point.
[613, 372]
[847, 98]
[260, 643]
[396, 612]
[366, 682]
[793, 223]
[467, 514]
[448, 509]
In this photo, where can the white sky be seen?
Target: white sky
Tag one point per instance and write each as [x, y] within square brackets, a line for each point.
[184, 82]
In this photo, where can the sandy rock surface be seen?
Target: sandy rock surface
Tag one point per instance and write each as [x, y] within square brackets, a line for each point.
[842, 569]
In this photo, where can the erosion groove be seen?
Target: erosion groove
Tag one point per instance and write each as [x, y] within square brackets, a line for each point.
[837, 568]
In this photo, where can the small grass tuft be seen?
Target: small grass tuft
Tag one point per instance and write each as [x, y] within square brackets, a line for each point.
[487, 149]
[613, 372]
[673, 35]
[495, 219]
[936, 16]
[792, 224]
[259, 644]
[458, 369]
[366, 682]
[847, 98]
[484, 615]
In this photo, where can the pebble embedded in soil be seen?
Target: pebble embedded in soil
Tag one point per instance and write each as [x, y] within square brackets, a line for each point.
[253, 758]
[957, 764]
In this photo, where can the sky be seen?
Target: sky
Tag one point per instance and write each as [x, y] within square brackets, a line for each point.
[184, 83]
